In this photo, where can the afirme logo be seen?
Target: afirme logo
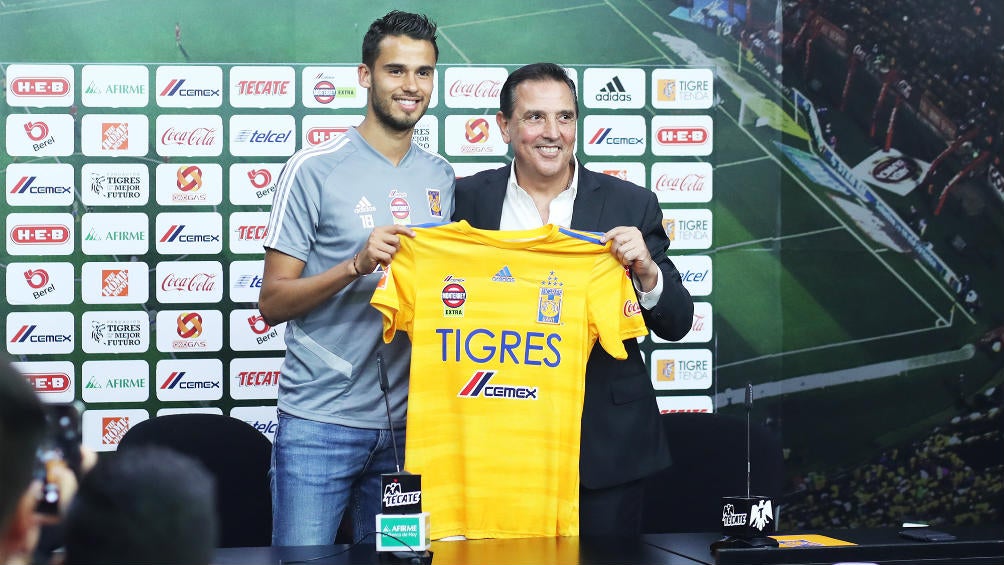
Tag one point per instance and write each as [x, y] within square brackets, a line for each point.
[117, 86]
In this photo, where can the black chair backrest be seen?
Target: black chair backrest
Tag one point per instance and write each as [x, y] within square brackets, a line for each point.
[709, 462]
[236, 454]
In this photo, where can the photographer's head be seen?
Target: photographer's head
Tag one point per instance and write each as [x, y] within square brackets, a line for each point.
[148, 504]
[22, 427]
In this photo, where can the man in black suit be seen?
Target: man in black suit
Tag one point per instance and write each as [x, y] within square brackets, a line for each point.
[622, 437]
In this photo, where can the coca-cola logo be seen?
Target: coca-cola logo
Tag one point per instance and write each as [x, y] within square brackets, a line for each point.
[194, 136]
[476, 89]
[198, 282]
[631, 308]
[686, 183]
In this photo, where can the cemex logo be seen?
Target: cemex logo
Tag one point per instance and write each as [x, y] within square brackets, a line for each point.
[176, 88]
[27, 185]
[478, 386]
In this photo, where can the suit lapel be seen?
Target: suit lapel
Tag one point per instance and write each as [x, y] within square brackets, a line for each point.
[588, 202]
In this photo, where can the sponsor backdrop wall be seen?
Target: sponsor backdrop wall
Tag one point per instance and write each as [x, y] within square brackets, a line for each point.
[139, 160]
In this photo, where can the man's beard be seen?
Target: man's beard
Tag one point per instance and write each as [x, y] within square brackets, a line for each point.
[383, 114]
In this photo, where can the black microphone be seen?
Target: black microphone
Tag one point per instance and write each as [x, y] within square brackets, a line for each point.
[384, 387]
[747, 520]
[402, 529]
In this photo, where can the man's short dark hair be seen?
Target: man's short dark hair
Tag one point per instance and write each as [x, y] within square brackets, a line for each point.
[535, 71]
[22, 427]
[396, 23]
[149, 505]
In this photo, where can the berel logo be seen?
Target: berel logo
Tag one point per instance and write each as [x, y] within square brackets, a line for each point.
[40, 283]
[250, 332]
[253, 183]
[39, 135]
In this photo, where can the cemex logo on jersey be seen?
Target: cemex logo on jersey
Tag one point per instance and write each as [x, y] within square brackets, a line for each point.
[478, 386]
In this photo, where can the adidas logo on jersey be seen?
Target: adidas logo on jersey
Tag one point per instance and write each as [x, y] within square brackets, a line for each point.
[504, 276]
[364, 206]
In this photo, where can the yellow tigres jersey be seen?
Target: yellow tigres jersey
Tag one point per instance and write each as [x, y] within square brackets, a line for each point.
[501, 324]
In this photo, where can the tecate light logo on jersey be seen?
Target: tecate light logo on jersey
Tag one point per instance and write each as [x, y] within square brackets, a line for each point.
[247, 232]
[125, 380]
[40, 332]
[696, 272]
[630, 171]
[40, 85]
[682, 89]
[39, 135]
[115, 135]
[40, 283]
[613, 135]
[125, 282]
[115, 233]
[332, 87]
[103, 429]
[474, 87]
[189, 86]
[39, 234]
[613, 88]
[255, 378]
[262, 418]
[189, 379]
[684, 404]
[39, 184]
[258, 135]
[322, 129]
[682, 135]
[189, 184]
[115, 332]
[682, 182]
[245, 280]
[189, 135]
[189, 330]
[687, 228]
[115, 86]
[473, 135]
[189, 281]
[114, 184]
[191, 233]
[262, 87]
[53, 381]
[253, 183]
[681, 369]
[250, 332]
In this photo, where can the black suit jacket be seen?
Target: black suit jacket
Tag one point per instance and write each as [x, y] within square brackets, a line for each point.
[622, 437]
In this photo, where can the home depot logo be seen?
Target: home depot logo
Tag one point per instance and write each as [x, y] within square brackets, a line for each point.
[114, 136]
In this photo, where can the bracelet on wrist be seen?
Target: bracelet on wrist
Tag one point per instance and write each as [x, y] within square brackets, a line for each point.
[355, 270]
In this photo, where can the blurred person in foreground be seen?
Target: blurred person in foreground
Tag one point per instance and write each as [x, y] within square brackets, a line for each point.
[150, 505]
